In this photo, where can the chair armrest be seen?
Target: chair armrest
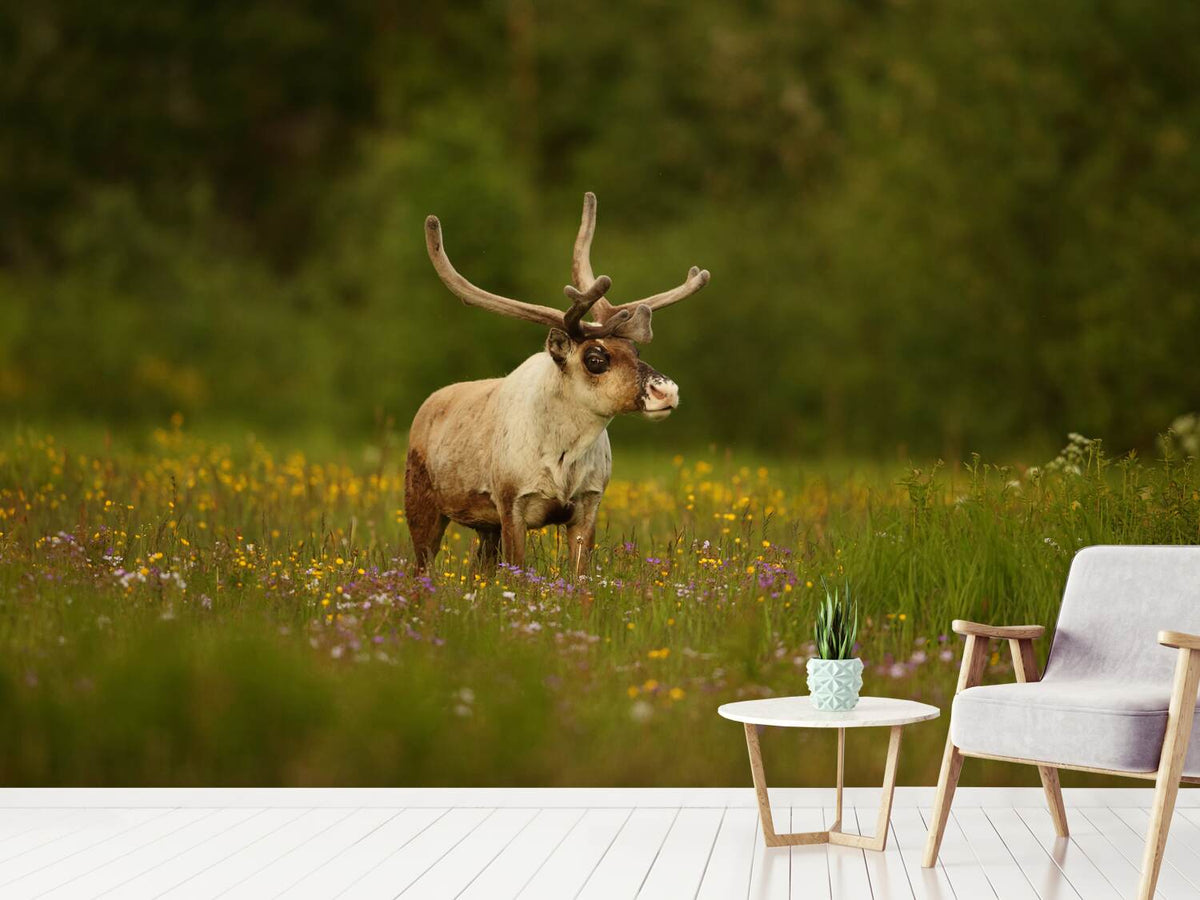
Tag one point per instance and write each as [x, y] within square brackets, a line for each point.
[1179, 639]
[1008, 632]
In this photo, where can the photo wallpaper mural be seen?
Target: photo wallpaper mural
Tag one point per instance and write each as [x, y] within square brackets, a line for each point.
[911, 289]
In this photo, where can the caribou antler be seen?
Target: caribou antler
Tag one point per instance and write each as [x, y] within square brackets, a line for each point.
[581, 258]
[571, 321]
[581, 304]
[581, 274]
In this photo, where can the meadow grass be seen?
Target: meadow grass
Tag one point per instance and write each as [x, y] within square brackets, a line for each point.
[178, 610]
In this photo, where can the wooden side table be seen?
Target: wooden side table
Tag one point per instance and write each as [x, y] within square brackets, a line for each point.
[798, 712]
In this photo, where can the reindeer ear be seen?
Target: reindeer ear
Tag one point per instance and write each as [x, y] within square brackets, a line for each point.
[558, 345]
[637, 328]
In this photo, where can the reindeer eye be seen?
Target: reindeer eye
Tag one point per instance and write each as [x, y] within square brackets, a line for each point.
[596, 361]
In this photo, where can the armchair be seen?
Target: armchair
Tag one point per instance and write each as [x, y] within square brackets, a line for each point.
[1118, 696]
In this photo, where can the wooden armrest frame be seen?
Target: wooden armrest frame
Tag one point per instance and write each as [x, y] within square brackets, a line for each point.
[1179, 639]
[999, 632]
[975, 655]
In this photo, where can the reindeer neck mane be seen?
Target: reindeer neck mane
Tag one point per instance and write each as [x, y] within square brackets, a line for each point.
[536, 394]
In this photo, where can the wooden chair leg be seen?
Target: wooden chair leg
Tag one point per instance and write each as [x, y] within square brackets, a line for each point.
[1163, 809]
[1170, 767]
[969, 674]
[1026, 669]
[1054, 799]
[952, 762]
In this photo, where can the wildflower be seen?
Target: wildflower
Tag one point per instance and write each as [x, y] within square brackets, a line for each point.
[641, 711]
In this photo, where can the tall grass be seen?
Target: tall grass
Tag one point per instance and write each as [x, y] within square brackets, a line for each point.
[176, 610]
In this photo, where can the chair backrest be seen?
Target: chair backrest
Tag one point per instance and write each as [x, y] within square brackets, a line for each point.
[1116, 601]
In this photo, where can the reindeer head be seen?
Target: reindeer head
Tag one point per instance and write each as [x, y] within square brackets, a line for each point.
[598, 360]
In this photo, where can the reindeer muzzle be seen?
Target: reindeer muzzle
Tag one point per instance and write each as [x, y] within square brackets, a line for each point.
[660, 396]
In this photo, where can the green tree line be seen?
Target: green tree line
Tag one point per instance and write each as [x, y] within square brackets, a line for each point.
[932, 225]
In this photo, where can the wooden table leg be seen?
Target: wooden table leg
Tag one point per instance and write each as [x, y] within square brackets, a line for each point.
[883, 820]
[834, 835]
[841, 778]
[770, 838]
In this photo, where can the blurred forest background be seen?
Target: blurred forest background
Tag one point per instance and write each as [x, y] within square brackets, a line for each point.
[933, 226]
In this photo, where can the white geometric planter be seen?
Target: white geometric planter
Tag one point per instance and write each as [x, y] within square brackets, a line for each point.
[834, 684]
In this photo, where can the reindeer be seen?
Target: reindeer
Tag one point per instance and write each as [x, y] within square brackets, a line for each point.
[504, 455]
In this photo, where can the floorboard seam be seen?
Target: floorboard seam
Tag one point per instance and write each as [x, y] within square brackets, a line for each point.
[470, 831]
[495, 856]
[657, 853]
[550, 855]
[106, 862]
[708, 858]
[612, 841]
[192, 847]
[415, 835]
[346, 849]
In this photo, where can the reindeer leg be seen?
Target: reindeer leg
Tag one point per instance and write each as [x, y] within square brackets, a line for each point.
[581, 533]
[426, 524]
[512, 531]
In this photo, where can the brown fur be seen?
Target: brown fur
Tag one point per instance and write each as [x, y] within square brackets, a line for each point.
[624, 380]
[426, 524]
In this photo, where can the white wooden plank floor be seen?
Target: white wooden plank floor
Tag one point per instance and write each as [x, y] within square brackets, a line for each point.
[560, 843]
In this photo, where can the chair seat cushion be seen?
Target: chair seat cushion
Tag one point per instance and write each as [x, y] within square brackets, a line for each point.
[1100, 724]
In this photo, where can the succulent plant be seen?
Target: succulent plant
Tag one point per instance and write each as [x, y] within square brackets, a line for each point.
[836, 628]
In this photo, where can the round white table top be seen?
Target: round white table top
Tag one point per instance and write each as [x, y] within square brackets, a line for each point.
[798, 712]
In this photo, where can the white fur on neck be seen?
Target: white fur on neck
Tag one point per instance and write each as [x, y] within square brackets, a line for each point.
[548, 441]
[543, 418]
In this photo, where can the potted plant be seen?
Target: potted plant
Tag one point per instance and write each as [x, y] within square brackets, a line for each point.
[835, 674]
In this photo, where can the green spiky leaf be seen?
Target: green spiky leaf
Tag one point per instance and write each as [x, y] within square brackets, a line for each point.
[835, 630]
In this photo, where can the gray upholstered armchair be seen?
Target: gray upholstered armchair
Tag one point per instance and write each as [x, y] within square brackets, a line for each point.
[1118, 696]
